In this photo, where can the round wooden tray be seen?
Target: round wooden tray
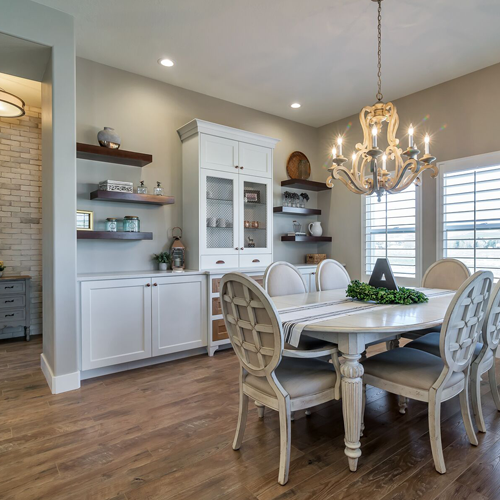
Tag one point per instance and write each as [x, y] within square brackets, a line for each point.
[296, 168]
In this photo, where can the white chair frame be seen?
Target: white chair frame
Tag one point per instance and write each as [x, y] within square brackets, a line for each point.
[268, 359]
[458, 338]
[320, 271]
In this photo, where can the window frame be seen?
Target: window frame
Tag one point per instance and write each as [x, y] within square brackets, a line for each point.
[475, 162]
[418, 242]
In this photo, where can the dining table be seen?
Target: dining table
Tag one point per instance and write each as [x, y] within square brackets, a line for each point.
[353, 325]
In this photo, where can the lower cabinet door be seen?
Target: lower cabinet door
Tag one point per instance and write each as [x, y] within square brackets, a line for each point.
[115, 321]
[179, 313]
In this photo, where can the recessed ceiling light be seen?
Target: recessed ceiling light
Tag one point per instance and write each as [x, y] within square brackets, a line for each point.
[295, 105]
[166, 62]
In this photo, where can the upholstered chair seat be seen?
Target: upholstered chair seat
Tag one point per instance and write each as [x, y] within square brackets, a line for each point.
[299, 377]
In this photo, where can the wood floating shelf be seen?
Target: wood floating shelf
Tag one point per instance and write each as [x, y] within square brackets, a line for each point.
[311, 239]
[120, 156]
[147, 199]
[305, 184]
[109, 235]
[296, 211]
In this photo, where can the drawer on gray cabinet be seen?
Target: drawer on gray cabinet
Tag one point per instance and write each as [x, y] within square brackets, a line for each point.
[11, 287]
[12, 301]
[12, 315]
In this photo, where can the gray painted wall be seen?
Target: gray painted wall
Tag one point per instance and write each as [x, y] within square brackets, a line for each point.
[147, 113]
[463, 121]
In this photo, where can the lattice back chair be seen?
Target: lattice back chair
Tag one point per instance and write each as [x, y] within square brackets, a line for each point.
[485, 360]
[331, 275]
[447, 274]
[282, 278]
[416, 374]
[282, 384]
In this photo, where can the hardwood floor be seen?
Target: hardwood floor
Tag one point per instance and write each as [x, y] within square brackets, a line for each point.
[165, 432]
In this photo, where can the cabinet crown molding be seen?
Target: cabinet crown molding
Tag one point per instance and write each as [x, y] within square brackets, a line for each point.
[197, 126]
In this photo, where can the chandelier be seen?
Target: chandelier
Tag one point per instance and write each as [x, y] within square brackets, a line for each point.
[366, 175]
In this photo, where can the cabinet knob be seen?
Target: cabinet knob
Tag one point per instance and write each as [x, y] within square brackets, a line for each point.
[236, 248]
[241, 168]
[255, 260]
[148, 284]
[236, 166]
[242, 248]
[220, 262]
[155, 284]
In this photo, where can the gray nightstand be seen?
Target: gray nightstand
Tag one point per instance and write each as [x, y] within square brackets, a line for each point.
[15, 302]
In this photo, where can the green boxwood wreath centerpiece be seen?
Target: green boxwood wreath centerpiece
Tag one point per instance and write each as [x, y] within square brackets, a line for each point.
[363, 291]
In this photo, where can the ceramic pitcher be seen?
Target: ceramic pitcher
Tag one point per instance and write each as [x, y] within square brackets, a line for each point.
[315, 228]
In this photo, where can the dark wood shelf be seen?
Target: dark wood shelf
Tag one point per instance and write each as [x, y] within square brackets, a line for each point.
[312, 239]
[120, 156]
[108, 235]
[296, 211]
[305, 184]
[148, 199]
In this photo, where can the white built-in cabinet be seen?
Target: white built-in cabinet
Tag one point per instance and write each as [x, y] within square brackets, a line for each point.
[227, 196]
[124, 320]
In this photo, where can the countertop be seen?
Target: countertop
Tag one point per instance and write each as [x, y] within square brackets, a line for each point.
[164, 274]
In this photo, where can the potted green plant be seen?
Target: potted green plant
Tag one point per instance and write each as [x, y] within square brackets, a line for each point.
[2, 268]
[163, 259]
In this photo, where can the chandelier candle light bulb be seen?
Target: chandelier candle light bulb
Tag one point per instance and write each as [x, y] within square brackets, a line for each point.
[334, 152]
[368, 173]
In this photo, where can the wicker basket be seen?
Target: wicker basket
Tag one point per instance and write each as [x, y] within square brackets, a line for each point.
[315, 258]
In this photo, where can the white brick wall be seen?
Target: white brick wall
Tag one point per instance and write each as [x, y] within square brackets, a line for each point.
[21, 206]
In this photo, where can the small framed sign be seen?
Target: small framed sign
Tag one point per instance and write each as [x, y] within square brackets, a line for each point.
[252, 196]
[84, 220]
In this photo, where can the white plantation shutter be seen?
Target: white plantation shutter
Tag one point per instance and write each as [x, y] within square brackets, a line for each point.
[390, 232]
[471, 217]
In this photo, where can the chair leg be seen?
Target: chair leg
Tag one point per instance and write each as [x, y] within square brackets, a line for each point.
[336, 365]
[494, 386]
[435, 435]
[363, 406]
[392, 344]
[403, 404]
[285, 439]
[475, 384]
[465, 408]
[260, 409]
[308, 412]
[242, 421]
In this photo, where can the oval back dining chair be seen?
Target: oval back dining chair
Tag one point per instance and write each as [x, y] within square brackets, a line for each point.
[447, 274]
[416, 374]
[282, 278]
[331, 275]
[283, 384]
[483, 360]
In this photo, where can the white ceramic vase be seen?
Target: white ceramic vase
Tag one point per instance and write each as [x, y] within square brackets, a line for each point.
[315, 228]
[162, 266]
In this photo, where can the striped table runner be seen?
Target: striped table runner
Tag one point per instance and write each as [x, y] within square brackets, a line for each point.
[296, 319]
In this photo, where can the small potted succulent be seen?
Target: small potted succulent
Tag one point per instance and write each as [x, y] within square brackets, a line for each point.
[2, 268]
[163, 259]
[305, 199]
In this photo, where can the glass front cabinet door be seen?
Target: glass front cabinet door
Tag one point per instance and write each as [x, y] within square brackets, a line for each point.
[219, 213]
[255, 215]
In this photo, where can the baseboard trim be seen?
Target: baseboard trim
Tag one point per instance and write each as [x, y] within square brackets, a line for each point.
[60, 383]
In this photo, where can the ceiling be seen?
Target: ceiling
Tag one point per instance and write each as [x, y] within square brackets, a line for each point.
[266, 54]
[28, 90]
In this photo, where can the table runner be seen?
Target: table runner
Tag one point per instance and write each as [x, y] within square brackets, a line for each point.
[296, 319]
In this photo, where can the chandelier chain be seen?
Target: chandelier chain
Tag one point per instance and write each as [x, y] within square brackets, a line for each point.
[379, 73]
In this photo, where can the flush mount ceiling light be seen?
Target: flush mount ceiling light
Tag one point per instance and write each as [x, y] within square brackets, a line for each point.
[366, 176]
[295, 105]
[166, 62]
[11, 106]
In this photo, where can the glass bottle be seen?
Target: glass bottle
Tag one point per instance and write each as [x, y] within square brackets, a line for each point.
[158, 189]
[131, 224]
[142, 189]
[111, 224]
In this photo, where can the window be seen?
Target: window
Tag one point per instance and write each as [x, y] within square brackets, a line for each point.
[390, 231]
[470, 212]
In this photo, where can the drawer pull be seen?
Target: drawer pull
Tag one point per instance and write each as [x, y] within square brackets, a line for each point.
[148, 284]
[155, 284]
[7, 287]
[220, 262]
[9, 315]
[8, 301]
[242, 248]
[255, 260]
